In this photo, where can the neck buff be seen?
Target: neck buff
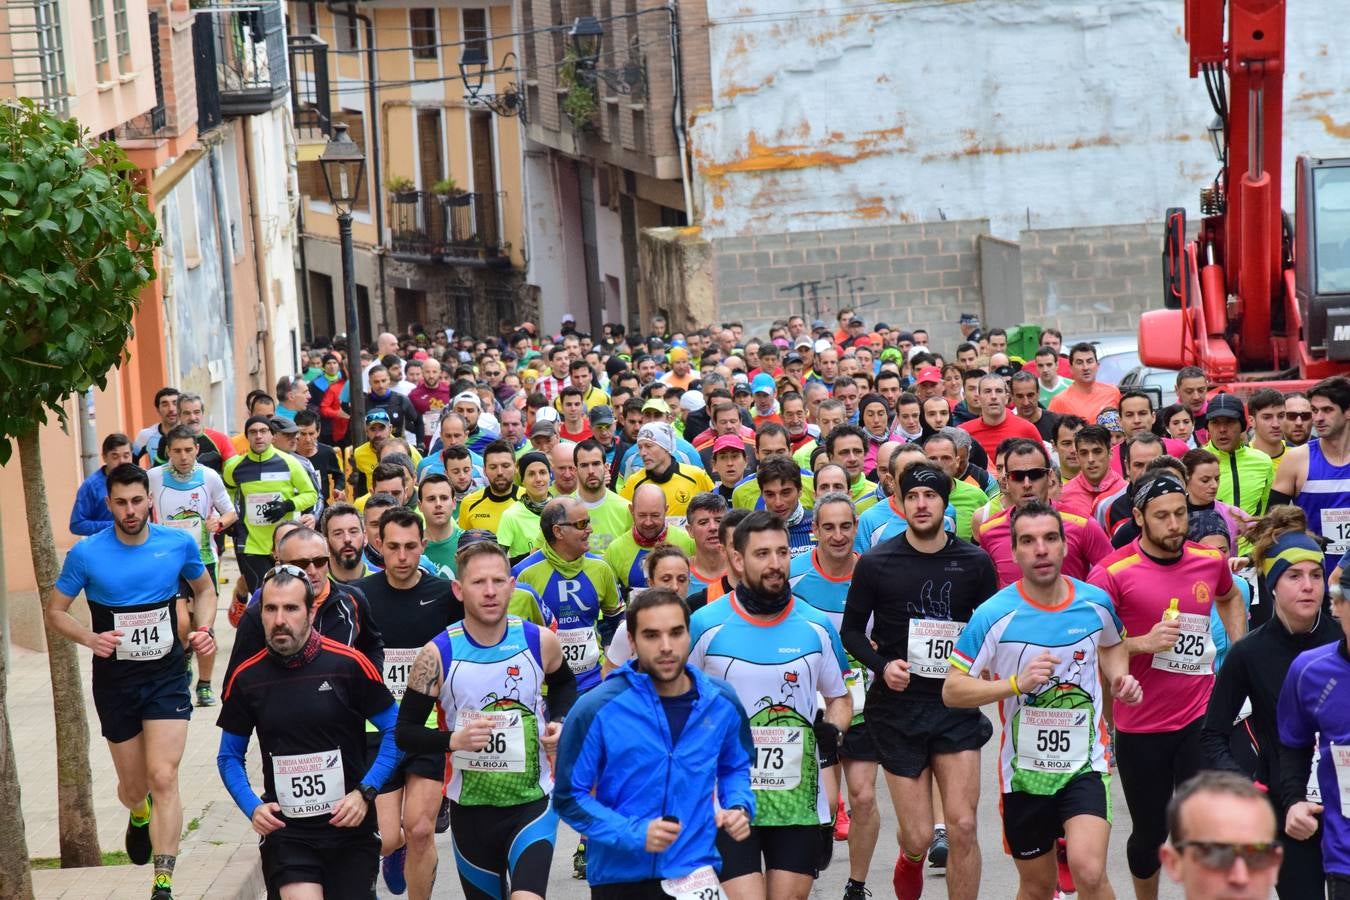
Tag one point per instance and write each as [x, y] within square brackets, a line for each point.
[796, 517]
[305, 654]
[758, 604]
[643, 542]
[534, 506]
[570, 568]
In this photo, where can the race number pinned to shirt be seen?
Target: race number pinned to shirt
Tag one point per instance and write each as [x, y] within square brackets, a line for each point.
[700, 884]
[778, 758]
[308, 784]
[253, 504]
[1313, 794]
[580, 649]
[1052, 740]
[192, 524]
[1340, 756]
[857, 690]
[398, 663]
[931, 641]
[1336, 529]
[505, 749]
[1194, 650]
[146, 634]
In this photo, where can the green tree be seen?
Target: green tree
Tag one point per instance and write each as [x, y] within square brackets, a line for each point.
[77, 246]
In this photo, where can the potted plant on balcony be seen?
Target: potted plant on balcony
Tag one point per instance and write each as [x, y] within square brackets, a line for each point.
[402, 189]
[451, 194]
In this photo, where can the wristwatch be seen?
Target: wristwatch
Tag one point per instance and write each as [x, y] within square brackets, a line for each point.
[367, 792]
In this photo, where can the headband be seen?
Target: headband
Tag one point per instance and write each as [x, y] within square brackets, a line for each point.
[1289, 549]
[1158, 486]
[534, 456]
[917, 476]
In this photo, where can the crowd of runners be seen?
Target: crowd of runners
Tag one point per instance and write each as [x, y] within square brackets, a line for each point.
[688, 592]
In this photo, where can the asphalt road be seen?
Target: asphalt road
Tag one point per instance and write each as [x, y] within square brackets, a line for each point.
[999, 877]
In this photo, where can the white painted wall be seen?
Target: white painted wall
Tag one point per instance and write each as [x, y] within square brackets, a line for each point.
[273, 158]
[1040, 113]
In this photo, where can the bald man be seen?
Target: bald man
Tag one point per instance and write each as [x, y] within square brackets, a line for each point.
[650, 529]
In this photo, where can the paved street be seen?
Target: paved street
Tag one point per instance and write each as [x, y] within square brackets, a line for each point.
[219, 856]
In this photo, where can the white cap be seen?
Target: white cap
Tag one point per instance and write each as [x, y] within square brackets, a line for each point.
[546, 414]
[467, 397]
[691, 401]
[823, 344]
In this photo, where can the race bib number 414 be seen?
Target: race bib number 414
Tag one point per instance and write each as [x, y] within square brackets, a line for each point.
[147, 634]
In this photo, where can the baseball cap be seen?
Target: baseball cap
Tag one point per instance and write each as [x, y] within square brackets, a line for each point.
[546, 414]
[692, 401]
[929, 375]
[378, 414]
[1226, 406]
[660, 406]
[600, 415]
[969, 319]
[803, 341]
[544, 428]
[467, 397]
[763, 383]
[855, 321]
[283, 425]
[728, 442]
[824, 344]
[817, 323]
[740, 388]
[791, 358]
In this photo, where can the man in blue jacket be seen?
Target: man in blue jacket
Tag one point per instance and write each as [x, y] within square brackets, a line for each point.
[651, 825]
[90, 514]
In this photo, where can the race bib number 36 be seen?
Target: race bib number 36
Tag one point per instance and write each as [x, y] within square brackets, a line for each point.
[505, 750]
[146, 635]
[308, 784]
[1052, 740]
[1194, 650]
[700, 884]
[778, 758]
[930, 643]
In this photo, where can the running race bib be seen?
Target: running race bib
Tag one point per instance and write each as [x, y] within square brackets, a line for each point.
[308, 784]
[1313, 794]
[147, 634]
[1052, 740]
[1336, 529]
[857, 690]
[505, 749]
[255, 502]
[931, 641]
[398, 663]
[186, 523]
[580, 649]
[1194, 650]
[700, 884]
[778, 758]
[1341, 757]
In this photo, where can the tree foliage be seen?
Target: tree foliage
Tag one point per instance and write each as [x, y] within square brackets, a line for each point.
[77, 244]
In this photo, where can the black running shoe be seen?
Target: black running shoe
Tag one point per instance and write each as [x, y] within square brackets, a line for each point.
[138, 841]
[443, 817]
[937, 851]
[161, 893]
[579, 862]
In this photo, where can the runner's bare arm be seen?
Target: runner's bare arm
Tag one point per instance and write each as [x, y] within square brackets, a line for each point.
[1233, 612]
[963, 690]
[59, 619]
[1290, 476]
[425, 676]
[204, 590]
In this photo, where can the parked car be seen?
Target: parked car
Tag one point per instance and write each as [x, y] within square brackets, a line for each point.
[1161, 384]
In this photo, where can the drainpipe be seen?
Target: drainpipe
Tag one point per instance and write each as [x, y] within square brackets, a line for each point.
[681, 139]
[377, 168]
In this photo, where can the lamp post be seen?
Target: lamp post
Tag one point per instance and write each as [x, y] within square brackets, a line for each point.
[344, 168]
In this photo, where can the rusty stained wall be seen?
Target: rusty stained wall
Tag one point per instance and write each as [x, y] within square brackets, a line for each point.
[1035, 114]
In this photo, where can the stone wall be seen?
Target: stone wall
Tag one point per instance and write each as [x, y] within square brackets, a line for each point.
[904, 275]
[1092, 280]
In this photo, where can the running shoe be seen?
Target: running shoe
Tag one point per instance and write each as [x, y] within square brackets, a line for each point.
[443, 817]
[236, 611]
[579, 862]
[138, 841]
[855, 891]
[205, 696]
[1066, 885]
[937, 851]
[392, 868]
[841, 823]
[161, 893]
[908, 878]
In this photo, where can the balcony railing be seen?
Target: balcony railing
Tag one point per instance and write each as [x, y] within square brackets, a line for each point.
[311, 102]
[460, 229]
[246, 56]
[152, 123]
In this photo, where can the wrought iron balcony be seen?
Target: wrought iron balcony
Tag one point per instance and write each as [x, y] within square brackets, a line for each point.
[243, 53]
[461, 229]
[152, 123]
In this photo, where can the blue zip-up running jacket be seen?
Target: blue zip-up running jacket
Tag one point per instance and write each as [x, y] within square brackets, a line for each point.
[620, 729]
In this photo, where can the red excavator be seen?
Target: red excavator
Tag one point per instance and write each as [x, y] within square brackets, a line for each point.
[1253, 299]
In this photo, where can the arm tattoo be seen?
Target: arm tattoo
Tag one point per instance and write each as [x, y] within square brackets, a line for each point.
[425, 677]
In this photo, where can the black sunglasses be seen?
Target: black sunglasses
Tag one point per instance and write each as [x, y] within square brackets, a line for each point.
[1299, 416]
[317, 562]
[1220, 857]
[1025, 475]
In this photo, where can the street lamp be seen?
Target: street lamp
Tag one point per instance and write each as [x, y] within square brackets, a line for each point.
[1215, 130]
[344, 168]
[585, 38]
[473, 70]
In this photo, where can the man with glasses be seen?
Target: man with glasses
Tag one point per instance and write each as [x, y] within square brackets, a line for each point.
[1297, 419]
[319, 838]
[1222, 838]
[410, 607]
[1028, 478]
[268, 487]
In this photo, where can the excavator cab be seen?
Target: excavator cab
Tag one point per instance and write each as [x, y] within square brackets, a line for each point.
[1322, 255]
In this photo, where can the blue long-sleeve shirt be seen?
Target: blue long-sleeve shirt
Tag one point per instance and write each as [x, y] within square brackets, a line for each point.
[90, 514]
[621, 729]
